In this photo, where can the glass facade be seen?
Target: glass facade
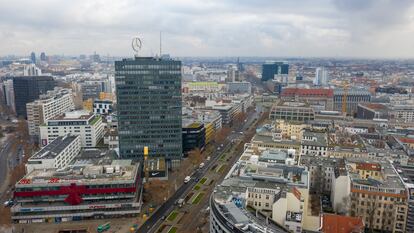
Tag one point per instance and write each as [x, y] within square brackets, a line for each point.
[269, 70]
[28, 88]
[149, 107]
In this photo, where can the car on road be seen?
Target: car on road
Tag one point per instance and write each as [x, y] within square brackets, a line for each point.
[201, 165]
[180, 202]
[208, 158]
[187, 179]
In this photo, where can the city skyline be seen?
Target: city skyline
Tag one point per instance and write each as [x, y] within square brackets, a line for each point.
[323, 28]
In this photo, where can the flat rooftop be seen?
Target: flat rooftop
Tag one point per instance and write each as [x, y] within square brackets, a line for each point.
[269, 139]
[91, 166]
[54, 148]
[227, 194]
[74, 115]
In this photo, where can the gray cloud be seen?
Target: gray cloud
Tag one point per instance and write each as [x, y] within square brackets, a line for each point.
[365, 28]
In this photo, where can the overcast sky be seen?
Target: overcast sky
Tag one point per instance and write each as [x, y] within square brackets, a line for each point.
[308, 28]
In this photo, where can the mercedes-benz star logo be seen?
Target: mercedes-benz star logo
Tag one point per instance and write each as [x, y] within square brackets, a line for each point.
[136, 44]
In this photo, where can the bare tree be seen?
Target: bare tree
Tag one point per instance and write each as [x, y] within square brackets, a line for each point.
[240, 117]
[343, 207]
[195, 156]
[222, 134]
[157, 191]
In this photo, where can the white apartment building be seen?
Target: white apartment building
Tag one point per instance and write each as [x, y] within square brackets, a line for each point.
[57, 154]
[314, 143]
[102, 107]
[52, 104]
[87, 125]
[262, 196]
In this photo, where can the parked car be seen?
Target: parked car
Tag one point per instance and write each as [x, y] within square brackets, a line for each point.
[8, 203]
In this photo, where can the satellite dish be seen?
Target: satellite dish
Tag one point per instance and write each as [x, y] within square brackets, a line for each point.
[136, 45]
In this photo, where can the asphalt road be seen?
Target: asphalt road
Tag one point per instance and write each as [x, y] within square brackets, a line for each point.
[155, 219]
[5, 151]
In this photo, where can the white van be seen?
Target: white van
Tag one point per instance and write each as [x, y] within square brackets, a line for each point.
[187, 179]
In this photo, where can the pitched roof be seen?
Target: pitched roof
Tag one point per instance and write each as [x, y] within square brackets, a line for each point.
[368, 166]
[332, 223]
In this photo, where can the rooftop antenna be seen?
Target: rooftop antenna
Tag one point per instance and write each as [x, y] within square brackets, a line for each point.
[160, 44]
[136, 45]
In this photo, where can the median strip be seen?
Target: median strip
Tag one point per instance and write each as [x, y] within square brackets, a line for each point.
[197, 199]
[172, 216]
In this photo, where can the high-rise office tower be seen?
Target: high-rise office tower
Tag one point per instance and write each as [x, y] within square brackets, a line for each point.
[275, 70]
[33, 57]
[8, 93]
[240, 66]
[231, 73]
[32, 70]
[321, 77]
[43, 56]
[149, 107]
[28, 88]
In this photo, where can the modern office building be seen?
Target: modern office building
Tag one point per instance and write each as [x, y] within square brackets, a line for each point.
[149, 107]
[270, 70]
[31, 70]
[8, 93]
[321, 77]
[88, 126]
[33, 57]
[292, 111]
[43, 56]
[372, 111]
[228, 112]
[52, 104]
[57, 154]
[194, 136]
[28, 88]
[353, 98]
[90, 90]
[232, 72]
[239, 87]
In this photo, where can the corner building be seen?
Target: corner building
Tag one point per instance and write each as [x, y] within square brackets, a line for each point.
[149, 107]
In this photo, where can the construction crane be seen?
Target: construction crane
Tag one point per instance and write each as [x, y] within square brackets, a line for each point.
[146, 165]
[345, 86]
